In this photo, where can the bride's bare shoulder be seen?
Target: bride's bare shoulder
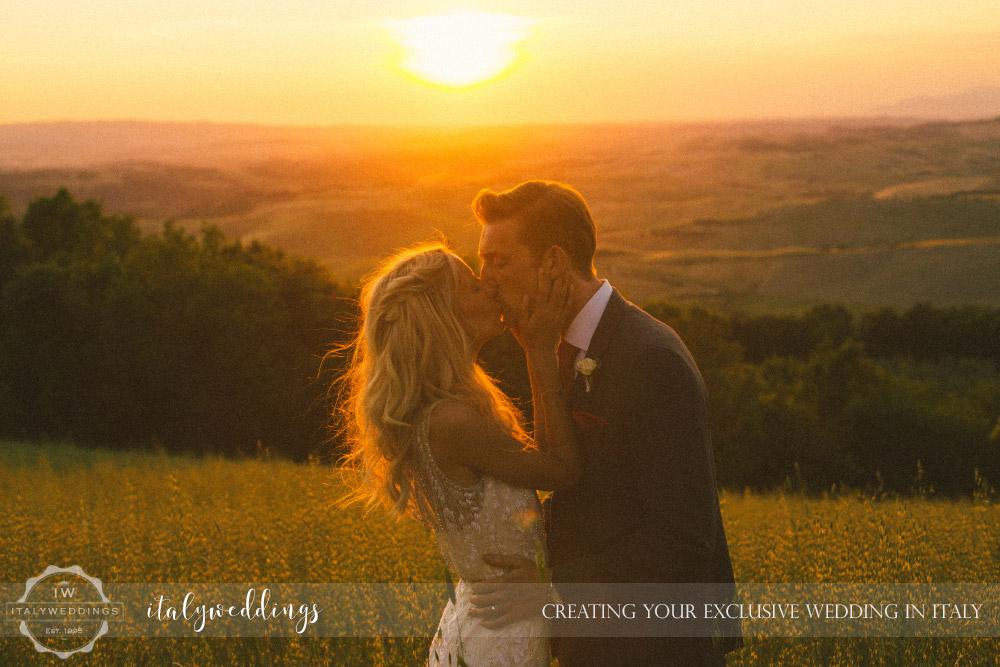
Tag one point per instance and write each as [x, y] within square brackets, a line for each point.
[450, 414]
[458, 425]
[452, 422]
[449, 425]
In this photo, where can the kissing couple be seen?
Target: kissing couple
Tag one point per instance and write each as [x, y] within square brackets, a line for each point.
[620, 436]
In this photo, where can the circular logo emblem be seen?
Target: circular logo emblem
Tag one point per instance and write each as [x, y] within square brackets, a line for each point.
[64, 611]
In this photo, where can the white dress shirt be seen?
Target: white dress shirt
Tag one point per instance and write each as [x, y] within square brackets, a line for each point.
[583, 326]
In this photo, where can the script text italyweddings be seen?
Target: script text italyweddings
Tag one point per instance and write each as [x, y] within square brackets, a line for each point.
[200, 614]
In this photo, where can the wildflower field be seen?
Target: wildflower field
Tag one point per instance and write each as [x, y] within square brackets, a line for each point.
[143, 517]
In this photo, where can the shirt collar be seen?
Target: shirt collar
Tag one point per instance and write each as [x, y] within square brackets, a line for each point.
[583, 326]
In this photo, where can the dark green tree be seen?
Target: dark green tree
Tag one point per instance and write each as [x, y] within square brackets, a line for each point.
[192, 342]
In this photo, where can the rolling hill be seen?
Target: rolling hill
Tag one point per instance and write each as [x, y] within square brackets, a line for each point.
[771, 215]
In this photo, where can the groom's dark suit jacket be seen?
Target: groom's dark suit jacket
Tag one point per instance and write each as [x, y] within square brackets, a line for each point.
[647, 508]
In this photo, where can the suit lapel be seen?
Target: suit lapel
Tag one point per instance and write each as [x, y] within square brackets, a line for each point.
[604, 334]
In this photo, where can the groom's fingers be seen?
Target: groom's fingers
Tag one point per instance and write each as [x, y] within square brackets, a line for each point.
[497, 591]
[498, 602]
[498, 611]
[490, 595]
[503, 620]
[493, 607]
[489, 607]
[507, 562]
[496, 595]
[527, 604]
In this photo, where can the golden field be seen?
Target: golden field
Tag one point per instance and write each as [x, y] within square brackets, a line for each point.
[148, 517]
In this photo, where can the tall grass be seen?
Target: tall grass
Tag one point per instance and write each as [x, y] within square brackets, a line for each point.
[136, 517]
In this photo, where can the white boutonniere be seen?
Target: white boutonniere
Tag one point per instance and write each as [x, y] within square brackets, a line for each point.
[586, 367]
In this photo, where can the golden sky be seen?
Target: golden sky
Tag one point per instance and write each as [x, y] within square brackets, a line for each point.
[324, 62]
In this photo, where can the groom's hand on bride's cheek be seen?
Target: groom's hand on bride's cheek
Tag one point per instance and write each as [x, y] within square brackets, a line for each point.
[498, 603]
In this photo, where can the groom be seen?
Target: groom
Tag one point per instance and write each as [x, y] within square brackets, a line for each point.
[647, 508]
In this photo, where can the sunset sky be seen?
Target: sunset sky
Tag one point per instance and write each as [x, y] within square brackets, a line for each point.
[311, 62]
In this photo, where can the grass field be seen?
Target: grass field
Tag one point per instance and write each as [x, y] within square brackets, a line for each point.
[136, 517]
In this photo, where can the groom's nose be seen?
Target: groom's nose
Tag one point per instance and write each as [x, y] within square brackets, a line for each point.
[490, 287]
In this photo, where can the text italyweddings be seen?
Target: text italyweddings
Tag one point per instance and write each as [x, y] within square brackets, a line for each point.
[304, 615]
[47, 611]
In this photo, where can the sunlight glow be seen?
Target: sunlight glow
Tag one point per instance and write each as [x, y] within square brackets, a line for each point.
[459, 50]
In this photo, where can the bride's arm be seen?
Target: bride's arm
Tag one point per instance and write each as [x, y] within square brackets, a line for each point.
[553, 432]
[461, 435]
[468, 438]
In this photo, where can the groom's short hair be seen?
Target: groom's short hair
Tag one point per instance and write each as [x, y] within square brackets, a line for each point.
[550, 213]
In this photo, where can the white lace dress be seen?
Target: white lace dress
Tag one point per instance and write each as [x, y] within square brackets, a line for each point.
[489, 517]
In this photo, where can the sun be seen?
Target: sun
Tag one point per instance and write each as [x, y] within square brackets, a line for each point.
[461, 49]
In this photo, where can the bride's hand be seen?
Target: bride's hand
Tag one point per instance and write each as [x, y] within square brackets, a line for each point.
[541, 319]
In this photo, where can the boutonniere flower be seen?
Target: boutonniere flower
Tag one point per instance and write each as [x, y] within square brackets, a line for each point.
[586, 367]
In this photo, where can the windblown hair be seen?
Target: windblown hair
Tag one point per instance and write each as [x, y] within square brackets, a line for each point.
[411, 352]
[549, 213]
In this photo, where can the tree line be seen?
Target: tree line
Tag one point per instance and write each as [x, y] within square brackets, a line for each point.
[194, 342]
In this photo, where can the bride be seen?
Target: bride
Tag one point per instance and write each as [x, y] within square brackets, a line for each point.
[436, 439]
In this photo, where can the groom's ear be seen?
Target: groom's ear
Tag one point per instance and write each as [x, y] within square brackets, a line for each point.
[555, 261]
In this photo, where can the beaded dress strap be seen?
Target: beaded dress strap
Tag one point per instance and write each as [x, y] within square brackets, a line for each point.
[443, 501]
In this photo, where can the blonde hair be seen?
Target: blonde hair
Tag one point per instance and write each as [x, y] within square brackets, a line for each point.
[411, 352]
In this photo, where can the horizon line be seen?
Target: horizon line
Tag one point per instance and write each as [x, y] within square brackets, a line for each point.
[895, 118]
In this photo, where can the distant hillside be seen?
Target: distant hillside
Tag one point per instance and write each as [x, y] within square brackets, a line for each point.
[57, 145]
[956, 186]
[847, 226]
[965, 105]
[859, 252]
[101, 143]
[765, 215]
